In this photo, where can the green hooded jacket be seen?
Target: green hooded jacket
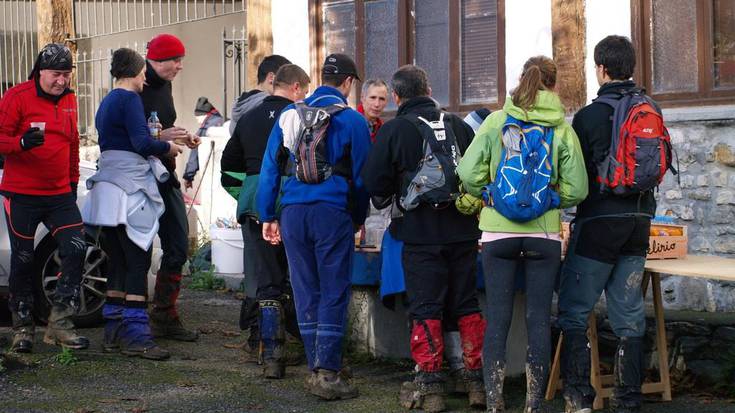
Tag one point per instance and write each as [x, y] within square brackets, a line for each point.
[569, 176]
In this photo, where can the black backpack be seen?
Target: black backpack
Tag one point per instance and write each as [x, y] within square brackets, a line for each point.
[310, 152]
[434, 181]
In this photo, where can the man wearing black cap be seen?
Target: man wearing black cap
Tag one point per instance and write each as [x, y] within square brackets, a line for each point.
[164, 62]
[40, 141]
[319, 212]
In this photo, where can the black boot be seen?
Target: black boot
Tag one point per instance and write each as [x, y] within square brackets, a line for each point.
[628, 375]
[575, 371]
[23, 328]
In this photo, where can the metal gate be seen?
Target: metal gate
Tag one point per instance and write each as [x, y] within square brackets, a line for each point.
[18, 41]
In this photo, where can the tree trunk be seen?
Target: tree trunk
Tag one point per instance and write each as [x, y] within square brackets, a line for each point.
[568, 27]
[54, 20]
[260, 37]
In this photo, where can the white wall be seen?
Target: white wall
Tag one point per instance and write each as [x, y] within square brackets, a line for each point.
[603, 20]
[290, 20]
[527, 34]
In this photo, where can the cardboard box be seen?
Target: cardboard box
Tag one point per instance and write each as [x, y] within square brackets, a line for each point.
[673, 245]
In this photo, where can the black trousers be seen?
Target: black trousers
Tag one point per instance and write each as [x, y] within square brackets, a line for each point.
[441, 280]
[539, 259]
[60, 214]
[129, 263]
[270, 265]
[174, 229]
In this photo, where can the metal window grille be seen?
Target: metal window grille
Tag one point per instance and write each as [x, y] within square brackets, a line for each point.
[18, 41]
[99, 18]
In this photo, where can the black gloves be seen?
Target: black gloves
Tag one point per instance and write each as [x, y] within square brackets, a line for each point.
[74, 186]
[32, 138]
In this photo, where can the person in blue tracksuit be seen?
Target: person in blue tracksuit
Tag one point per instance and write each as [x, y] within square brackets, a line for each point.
[318, 221]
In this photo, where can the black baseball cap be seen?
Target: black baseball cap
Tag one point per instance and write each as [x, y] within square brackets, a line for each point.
[339, 64]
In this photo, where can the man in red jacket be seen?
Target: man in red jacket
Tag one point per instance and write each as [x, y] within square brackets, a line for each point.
[40, 142]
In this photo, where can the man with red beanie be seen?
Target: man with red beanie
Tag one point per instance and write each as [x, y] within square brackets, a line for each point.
[164, 58]
[40, 142]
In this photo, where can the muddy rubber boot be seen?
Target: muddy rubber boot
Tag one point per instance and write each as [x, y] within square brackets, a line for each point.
[165, 325]
[628, 373]
[425, 392]
[60, 329]
[494, 379]
[23, 329]
[112, 313]
[329, 385]
[310, 381]
[475, 388]
[164, 318]
[575, 372]
[272, 339]
[135, 336]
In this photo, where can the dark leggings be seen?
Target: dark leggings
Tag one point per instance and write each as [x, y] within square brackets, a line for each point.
[128, 265]
[539, 259]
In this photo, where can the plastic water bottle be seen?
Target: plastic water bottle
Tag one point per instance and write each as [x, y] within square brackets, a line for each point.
[154, 125]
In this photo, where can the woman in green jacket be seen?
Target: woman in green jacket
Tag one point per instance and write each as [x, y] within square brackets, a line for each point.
[533, 246]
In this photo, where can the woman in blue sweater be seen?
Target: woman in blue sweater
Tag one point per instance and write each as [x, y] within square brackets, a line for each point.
[127, 204]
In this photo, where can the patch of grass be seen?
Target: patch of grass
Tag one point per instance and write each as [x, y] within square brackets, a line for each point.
[66, 357]
[206, 280]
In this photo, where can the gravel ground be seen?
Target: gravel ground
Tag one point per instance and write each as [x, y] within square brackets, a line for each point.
[212, 376]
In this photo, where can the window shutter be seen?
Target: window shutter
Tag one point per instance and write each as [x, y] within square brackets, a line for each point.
[479, 51]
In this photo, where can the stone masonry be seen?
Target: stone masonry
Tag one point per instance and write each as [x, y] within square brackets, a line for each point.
[705, 203]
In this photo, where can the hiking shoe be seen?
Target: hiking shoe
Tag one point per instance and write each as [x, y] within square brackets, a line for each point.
[427, 397]
[455, 382]
[60, 329]
[328, 385]
[165, 326]
[274, 369]
[23, 339]
[150, 351]
[309, 381]
[476, 393]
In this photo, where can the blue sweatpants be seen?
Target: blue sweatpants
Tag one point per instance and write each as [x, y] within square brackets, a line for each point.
[319, 243]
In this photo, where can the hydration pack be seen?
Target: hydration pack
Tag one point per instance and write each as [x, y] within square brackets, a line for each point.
[434, 181]
[522, 189]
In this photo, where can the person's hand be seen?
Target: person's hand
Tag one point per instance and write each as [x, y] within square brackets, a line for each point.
[174, 150]
[31, 138]
[175, 133]
[193, 141]
[188, 184]
[272, 232]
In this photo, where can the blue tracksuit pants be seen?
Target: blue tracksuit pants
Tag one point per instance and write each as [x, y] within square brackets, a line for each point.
[319, 243]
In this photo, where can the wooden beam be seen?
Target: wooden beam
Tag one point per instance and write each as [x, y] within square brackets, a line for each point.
[54, 21]
[568, 26]
[260, 37]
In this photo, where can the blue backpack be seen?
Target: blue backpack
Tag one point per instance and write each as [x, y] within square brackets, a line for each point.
[521, 191]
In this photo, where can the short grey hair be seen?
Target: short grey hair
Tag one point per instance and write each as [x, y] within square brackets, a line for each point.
[374, 82]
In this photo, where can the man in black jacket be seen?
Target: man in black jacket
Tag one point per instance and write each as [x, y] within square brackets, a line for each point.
[164, 60]
[607, 251]
[440, 245]
[245, 154]
[231, 156]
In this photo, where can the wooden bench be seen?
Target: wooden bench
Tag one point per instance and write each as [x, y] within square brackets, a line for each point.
[700, 266]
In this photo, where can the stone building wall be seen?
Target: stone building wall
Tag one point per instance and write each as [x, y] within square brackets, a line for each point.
[705, 202]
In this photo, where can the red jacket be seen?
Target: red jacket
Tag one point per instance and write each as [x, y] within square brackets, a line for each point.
[374, 126]
[48, 169]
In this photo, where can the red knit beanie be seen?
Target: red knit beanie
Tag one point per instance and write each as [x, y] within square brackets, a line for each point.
[165, 47]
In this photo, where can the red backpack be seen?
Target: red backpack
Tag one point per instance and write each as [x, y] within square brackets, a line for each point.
[640, 149]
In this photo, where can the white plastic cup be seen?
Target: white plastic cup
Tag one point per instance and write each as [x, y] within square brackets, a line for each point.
[40, 125]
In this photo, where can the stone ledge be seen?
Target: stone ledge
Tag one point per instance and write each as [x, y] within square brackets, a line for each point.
[699, 113]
